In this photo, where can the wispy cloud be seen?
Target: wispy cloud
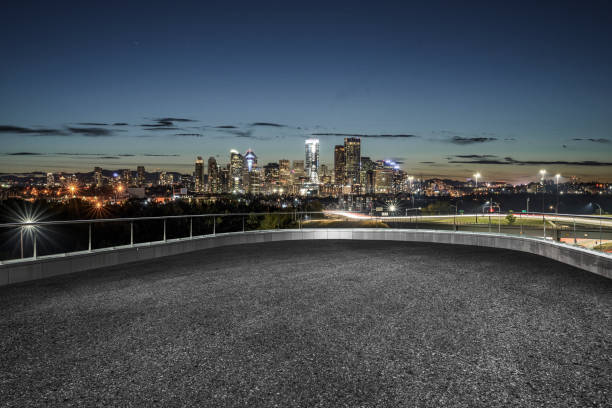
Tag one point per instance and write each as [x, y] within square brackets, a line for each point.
[91, 131]
[92, 124]
[188, 134]
[600, 140]
[270, 124]
[460, 140]
[24, 154]
[160, 155]
[31, 131]
[474, 156]
[511, 161]
[362, 135]
[226, 127]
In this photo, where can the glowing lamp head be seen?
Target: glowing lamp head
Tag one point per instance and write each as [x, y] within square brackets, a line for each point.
[392, 208]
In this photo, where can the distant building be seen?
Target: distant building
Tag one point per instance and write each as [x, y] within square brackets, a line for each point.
[339, 165]
[272, 177]
[127, 176]
[213, 176]
[284, 172]
[98, 180]
[141, 175]
[352, 146]
[199, 175]
[311, 162]
[50, 180]
[235, 171]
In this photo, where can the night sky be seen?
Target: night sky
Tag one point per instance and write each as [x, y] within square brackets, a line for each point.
[446, 88]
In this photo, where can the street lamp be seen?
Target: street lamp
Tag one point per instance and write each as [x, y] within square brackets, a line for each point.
[557, 176]
[410, 178]
[542, 177]
[599, 222]
[477, 176]
[455, 216]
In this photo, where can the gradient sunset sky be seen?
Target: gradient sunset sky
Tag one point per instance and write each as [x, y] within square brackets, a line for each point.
[445, 88]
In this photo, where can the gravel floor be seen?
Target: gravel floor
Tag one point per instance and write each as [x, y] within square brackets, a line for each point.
[312, 323]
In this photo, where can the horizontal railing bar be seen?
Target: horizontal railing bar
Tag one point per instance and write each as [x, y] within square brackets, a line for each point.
[333, 212]
[161, 217]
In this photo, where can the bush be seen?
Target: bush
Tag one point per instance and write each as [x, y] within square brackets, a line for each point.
[510, 218]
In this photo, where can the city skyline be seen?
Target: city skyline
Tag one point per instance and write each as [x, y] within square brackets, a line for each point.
[443, 91]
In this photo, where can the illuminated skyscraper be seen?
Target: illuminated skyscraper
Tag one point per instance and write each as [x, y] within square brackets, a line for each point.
[339, 165]
[284, 172]
[352, 146]
[50, 180]
[199, 175]
[311, 163]
[127, 176]
[98, 176]
[213, 176]
[236, 163]
[140, 170]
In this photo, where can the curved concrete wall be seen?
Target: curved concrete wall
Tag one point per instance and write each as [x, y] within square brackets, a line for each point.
[44, 267]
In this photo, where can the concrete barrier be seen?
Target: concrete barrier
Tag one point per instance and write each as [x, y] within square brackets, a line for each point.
[43, 267]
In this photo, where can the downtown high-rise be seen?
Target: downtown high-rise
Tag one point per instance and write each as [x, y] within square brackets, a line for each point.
[311, 162]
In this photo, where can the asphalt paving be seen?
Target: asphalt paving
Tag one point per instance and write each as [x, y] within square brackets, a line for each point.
[312, 323]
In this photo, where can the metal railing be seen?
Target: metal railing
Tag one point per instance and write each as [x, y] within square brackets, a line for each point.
[32, 239]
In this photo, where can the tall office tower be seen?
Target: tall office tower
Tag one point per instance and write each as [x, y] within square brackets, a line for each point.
[311, 162]
[213, 176]
[339, 165]
[383, 181]
[298, 167]
[235, 171]
[323, 170]
[198, 175]
[272, 177]
[352, 146]
[50, 180]
[224, 179]
[140, 174]
[98, 176]
[127, 176]
[367, 175]
[284, 172]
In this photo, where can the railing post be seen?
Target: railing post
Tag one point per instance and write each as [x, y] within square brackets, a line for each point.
[164, 230]
[21, 240]
[544, 223]
[131, 233]
[34, 250]
[214, 225]
[521, 222]
[243, 223]
[89, 244]
[190, 227]
[575, 240]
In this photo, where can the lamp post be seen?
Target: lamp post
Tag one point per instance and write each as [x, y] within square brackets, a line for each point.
[410, 178]
[557, 176]
[455, 216]
[599, 222]
[476, 176]
[527, 205]
[542, 176]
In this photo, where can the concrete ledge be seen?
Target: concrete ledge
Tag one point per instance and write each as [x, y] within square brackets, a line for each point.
[31, 269]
